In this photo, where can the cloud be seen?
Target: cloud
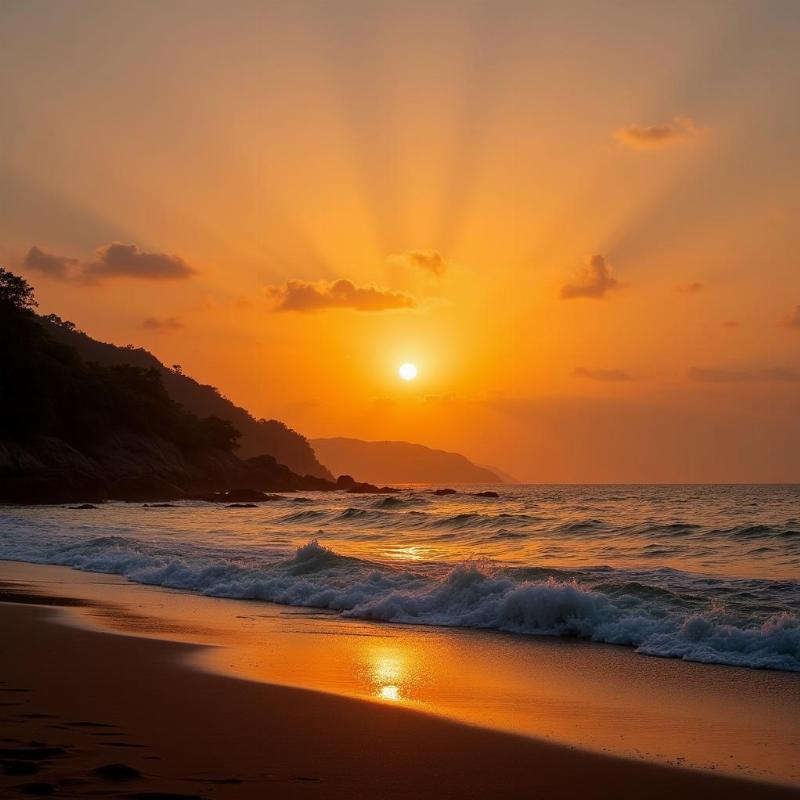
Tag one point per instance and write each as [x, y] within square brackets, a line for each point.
[162, 324]
[695, 287]
[593, 280]
[731, 323]
[648, 137]
[601, 374]
[116, 260]
[768, 374]
[60, 268]
[119, 260]
[428, 260]
[792, 319]
[297, 295]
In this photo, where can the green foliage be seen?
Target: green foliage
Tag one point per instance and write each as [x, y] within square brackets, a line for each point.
[47, 389]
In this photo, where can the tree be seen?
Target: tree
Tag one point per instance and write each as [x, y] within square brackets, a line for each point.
[16, 291]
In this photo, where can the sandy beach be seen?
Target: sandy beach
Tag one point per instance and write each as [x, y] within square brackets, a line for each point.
[78, 703]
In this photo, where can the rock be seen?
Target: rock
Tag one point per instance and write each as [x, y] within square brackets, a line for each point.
[82, 507]
[241, 505]
[444, 492]
[352, 486]
[485, 494]
[117, 772]
[246, 496]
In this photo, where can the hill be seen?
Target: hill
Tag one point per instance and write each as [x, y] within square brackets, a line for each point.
[73, 430]
[398, 462]
[258, 436]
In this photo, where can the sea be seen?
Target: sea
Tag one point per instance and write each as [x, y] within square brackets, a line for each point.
[707, 574]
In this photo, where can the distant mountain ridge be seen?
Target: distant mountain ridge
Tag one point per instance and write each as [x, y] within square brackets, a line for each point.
[398, 462]
[258, 437]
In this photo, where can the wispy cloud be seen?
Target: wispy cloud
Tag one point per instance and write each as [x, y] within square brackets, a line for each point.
[430, 261]
[298, 295]
[792, 319]
[162, 324]
[601, 374]
[594, 280]
[649, 137]
[116, 260]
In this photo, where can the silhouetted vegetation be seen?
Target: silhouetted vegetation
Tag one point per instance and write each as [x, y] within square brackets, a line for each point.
[46, 388]
[259, 436]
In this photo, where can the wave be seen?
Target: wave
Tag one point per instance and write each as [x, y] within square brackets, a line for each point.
[622, 609]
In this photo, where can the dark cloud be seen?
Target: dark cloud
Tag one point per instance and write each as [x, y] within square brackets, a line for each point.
[601, 374]
[60, 268]
[428, 260]
[695, 287]
[648, 137]
[119, 260]
[297, 295]
[162, 324]
[792, 319]
[115, 260]
[594, 281]
[768, 374]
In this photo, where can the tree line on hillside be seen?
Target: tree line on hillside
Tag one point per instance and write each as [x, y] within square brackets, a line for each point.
[46, 388]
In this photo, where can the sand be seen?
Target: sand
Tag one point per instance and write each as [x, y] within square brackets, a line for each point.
[75, 701]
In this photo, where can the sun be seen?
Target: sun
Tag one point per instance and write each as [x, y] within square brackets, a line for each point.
[407, 371]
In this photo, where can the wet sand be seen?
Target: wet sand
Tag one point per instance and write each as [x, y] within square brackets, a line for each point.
[87, 713]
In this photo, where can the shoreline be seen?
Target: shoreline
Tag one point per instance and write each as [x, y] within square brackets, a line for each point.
[199, 733]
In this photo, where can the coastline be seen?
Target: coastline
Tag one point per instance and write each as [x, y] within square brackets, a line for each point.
[197, 733]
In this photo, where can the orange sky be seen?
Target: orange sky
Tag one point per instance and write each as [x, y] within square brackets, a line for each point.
[642, 155]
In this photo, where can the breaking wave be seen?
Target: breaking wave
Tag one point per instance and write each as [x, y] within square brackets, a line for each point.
[610, 606]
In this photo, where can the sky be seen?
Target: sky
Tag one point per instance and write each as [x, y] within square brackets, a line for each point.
[579, 219]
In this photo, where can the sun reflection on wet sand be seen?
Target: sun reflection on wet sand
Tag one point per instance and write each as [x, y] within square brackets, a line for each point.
[390, 673]
[389, 693]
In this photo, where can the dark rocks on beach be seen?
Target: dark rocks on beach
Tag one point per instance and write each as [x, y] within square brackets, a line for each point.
[249, 496]
[82, 507]
[117, 772]
[145, 469]
[444, 492]
[352, 486]
[241, 505]
[485, 494]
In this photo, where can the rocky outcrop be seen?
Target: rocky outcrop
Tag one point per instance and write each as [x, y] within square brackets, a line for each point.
[352, 486]
[258, 437]
[138, 468]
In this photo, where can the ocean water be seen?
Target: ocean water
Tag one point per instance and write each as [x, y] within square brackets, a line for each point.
[702, 573]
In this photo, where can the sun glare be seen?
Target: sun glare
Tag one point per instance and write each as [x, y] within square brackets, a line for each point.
[408, 371]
